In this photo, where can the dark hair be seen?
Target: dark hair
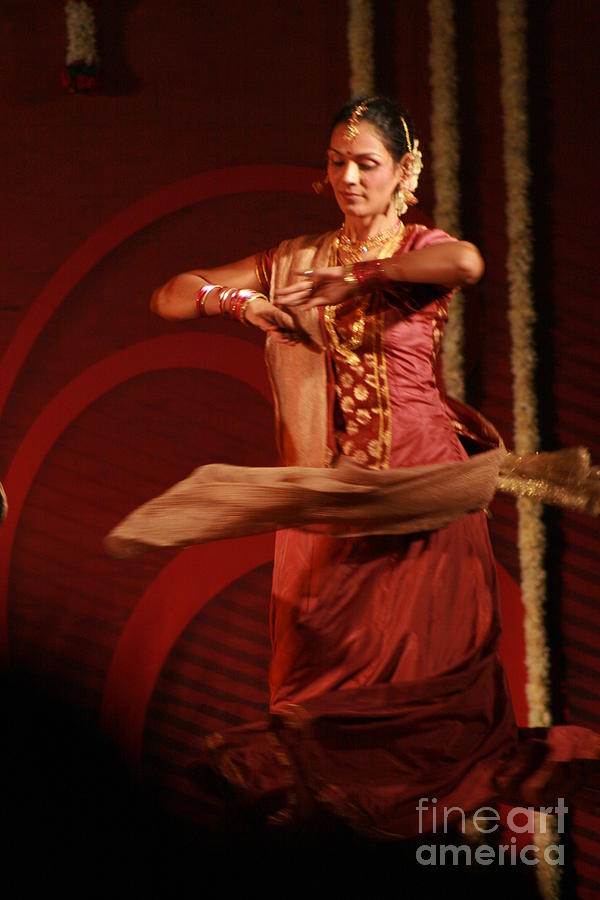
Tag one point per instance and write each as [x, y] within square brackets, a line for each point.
[387, 117]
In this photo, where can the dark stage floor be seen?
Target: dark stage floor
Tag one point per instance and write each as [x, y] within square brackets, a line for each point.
[77, 824]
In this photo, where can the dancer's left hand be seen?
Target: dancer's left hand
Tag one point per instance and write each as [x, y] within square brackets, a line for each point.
[317, 287]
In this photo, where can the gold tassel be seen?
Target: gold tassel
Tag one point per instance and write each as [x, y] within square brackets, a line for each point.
[559, 478]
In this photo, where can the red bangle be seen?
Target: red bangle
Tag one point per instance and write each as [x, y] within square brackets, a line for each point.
[370, 275]
[233, 302]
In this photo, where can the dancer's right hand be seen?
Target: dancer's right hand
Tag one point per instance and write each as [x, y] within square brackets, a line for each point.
[272, 320]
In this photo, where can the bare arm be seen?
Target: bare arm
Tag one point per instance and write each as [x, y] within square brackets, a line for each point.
[450, 263]
[177, 298]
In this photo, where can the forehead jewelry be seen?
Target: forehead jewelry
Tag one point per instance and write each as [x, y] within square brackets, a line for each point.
[353, 122]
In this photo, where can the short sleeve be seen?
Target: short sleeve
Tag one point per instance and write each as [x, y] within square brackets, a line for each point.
[263, 263]
[426, 237]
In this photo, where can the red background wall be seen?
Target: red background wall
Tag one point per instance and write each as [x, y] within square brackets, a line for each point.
[105, 197]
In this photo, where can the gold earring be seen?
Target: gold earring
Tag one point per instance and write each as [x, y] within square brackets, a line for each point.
[400, 202]
[318, 186]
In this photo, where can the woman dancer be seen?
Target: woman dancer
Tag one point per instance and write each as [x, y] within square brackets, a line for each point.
[386, 686]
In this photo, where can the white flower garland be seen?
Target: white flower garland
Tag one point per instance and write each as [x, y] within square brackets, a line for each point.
[445, 147]
[512, 27]
[81, 69]
[360, 48]
[81, 33]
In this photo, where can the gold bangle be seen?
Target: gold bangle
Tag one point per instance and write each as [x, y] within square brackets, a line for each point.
[202, 297]
[224, 295]
[246, 304]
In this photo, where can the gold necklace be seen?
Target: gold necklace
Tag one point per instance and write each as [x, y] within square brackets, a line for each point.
[347, 348]
[353, 251]
[345, 251]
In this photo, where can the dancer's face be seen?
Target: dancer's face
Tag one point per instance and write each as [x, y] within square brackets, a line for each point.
[361, 171]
